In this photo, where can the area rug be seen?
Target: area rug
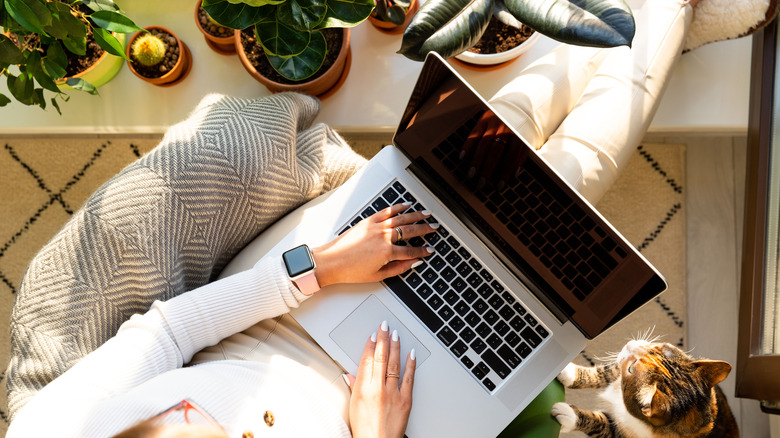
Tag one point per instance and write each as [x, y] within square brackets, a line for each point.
[44, 180]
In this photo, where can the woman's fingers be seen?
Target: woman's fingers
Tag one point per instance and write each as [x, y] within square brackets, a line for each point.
[407, 381]
[366, 365]
[393, 374]
[381, 353]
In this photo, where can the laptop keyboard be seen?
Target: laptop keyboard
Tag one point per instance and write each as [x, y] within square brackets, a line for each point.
[461, 302]
[570, 244]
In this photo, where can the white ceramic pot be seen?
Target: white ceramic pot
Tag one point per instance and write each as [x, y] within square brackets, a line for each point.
[497, 58]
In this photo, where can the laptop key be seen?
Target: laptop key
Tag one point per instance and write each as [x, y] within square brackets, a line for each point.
[483, 329]
[467, 362]
[457, 324]
[414, 280]
[531, 337]
[512, 339]
[464, 269]
[506, 312]
[435, 301]
[437, 262]
[494, 341]
[502, 328]
[478, 345]
[491, 317]
[448, 273]
[424, 291]
[451, 297]
[469, 295]
[509, 356]
[480, 370]
[399, 187]
[461, 308]
[480, 306]
[441, 286]
[517, 323]
[489, 384]
[459, 348]
[530, 320]
[379, 204]
[447, 336]
[467, 334]
[414, 303]
[446, 312]
[542, 332]
[473, 319]
[523, 350]
[495, 363]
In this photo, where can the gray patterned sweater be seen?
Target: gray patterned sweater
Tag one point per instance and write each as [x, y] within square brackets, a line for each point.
[167, 224]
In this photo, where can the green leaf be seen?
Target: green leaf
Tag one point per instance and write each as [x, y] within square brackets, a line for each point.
[108, 42]
[81, 85]
[346, 13]
[300, 67]
[599, 23]
[448, 27]
[236, 16]
[38, 99]
[56, 61]
[100, 5]
[4, 100]
[281, 40]
[76, 45]
[63, 21]
[257, 3]
[9, 53]
[56, 105]
[390, 13]
[21, 87]
[30, 14]
[301, 14]
[114, 21]
[36, 69]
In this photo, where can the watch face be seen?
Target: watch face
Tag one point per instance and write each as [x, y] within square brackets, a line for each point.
[298, 261]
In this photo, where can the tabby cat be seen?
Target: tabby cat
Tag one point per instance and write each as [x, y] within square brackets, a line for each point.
[653, 390]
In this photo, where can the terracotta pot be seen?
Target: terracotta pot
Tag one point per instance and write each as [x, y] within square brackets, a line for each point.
[101, 72]
[489, 60]
[180, 69]
[388, 27]
[319, 86]
[221, 45]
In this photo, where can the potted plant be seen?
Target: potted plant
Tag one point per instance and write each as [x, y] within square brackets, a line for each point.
[44, 45]
[500, 43]
[219, 38]
[392, 16]
[450, 27]
[158, 56]
[293, 37]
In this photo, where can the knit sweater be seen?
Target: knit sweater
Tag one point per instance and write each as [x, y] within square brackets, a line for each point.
[139, 372]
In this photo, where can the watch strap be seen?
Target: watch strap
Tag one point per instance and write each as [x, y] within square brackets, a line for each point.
[307, 283]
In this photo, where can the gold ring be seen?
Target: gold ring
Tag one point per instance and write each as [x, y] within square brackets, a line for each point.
[400, 234]
[394, 375]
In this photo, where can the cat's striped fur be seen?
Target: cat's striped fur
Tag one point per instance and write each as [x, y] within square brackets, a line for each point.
[653, 390]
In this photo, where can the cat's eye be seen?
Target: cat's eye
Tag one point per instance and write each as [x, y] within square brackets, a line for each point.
[630, 369]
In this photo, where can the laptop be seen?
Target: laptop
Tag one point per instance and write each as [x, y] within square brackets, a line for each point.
[520, 279]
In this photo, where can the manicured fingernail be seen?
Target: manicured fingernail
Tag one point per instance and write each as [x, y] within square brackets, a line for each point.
[462, 154]
[427, 212]
[430, 249]
[406, 204]
[417, 263]
[434, 225]
[412, 355]
[472, 172]
[384, 326]
[373, 337]
[346, 379]
[481, 183]
[395, 336]
[500, 185]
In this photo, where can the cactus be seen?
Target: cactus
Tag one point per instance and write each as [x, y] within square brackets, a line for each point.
[148, 49]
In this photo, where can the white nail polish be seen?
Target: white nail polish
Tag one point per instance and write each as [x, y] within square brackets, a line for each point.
[417, 263]
[434, 225]
[412, 355]
[395, 335]
[406, 204]
[373, 337]
[384, 326]
[427, 212]
[430, 249]
[346, 380]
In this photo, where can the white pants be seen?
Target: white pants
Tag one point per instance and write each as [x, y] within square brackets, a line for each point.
[585, 109]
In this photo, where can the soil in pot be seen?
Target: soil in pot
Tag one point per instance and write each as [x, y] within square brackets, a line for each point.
[167, 64]
[256, 55]
[499, 37]
[212, 28]
[79, 63]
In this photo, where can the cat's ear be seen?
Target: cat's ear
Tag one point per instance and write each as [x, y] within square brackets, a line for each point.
[712, 371]
[653, 407]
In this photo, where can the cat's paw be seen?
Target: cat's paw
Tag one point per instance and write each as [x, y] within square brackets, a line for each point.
[565, 415]
[568, 375]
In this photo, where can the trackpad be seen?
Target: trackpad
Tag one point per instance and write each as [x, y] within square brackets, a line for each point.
[351, 335]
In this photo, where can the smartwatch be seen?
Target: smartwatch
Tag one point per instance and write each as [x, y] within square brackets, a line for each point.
[300, 267]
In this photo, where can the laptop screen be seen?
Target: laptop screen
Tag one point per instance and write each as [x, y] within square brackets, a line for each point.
[542, 229]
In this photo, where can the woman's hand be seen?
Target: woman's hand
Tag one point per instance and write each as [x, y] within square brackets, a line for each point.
[491, 153]
[381, 398]
[367, 252]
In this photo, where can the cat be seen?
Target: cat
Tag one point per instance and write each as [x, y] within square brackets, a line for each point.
[653, 390]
